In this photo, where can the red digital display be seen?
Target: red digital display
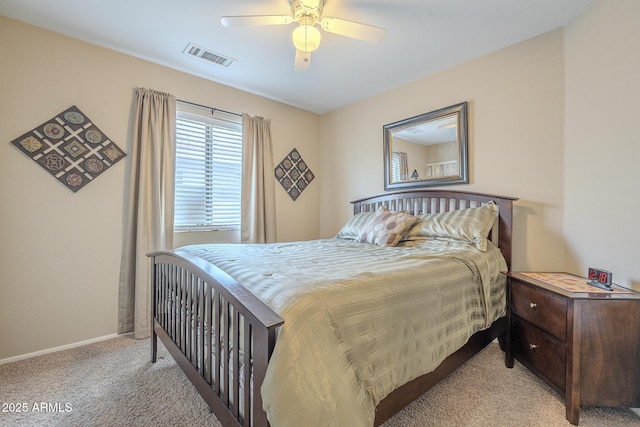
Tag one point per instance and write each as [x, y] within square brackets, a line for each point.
[600, 276]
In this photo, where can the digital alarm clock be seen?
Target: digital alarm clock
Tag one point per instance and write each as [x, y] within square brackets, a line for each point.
[600, 278]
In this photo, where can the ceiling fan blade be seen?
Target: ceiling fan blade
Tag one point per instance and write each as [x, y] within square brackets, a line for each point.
[303, 61]
[247, 20]
[356, 30]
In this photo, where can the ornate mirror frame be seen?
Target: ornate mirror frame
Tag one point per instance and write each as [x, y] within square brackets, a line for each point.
[427, 150]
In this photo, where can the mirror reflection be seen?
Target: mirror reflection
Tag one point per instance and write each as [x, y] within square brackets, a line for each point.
[427, 150]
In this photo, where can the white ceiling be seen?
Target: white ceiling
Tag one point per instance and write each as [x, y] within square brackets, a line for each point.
[424, 36]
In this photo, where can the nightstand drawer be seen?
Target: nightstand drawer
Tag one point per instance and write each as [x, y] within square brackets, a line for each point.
[543, 352]
[543, 309]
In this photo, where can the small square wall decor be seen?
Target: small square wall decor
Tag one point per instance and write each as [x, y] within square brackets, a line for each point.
[293, 174]
[71, 148]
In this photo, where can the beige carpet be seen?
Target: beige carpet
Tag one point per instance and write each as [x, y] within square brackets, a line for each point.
[112, 383]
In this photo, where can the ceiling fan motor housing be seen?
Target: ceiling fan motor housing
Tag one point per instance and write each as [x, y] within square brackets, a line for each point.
[307, 12]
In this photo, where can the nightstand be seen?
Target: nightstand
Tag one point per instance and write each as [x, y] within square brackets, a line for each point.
[582, 341]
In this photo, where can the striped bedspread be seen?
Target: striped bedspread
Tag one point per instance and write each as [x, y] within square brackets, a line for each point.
[360, 320]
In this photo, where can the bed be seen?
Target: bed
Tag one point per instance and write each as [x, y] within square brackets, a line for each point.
[361, 328]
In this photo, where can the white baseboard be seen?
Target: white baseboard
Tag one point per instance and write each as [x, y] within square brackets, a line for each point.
[62, 347]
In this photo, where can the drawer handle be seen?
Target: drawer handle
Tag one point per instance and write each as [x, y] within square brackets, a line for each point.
[533, 305]
[533, 347]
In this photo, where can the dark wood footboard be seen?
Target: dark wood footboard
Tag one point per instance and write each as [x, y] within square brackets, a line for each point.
[221, 335]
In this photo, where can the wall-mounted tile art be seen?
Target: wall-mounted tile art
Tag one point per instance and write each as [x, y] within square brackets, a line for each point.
[293, 174]
[71, 148]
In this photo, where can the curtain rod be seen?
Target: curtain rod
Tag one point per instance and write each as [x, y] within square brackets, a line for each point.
[209, 108]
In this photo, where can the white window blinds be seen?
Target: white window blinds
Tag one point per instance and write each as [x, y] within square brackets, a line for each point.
[395, 167]
[208, 170]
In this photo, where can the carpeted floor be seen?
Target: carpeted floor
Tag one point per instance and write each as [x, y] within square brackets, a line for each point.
[112, 383]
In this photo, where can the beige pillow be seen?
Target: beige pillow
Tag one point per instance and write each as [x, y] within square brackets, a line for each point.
[387, 228]
[471, 225]
[355, 226]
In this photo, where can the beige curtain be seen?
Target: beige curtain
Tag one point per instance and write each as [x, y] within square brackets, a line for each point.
[258, 223]
[149, 212]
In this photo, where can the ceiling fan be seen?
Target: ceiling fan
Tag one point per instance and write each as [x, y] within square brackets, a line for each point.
[306, 37]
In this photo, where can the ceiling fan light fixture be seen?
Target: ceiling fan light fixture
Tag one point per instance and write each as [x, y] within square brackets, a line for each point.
[306, 38]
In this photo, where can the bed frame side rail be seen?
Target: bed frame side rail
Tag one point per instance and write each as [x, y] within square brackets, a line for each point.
[220, 334]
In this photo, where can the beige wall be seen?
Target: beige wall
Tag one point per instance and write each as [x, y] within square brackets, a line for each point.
[445, 151]
[602, 146]
[516, 108]
[60, 252]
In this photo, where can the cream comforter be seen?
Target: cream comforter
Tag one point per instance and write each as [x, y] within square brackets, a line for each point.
[360, 320]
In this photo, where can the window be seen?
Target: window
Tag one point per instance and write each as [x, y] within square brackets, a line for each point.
[395, 167]
[208, 170]
[399, 167]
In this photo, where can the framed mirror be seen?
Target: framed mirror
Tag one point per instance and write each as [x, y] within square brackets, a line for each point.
[427, 150]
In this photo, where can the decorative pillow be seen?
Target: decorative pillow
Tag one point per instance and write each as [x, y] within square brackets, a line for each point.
[471, 225]
[355, 226]
[387, 228]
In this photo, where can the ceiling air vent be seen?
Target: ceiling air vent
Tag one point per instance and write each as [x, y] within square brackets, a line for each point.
[208, 55]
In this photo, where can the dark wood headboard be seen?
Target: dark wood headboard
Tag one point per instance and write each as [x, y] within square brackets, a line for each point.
[435, 201]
